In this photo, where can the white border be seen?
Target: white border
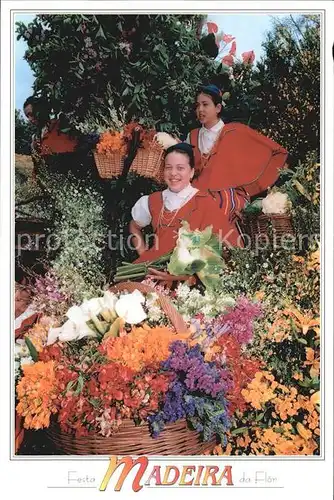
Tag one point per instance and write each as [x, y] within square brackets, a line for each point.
[34, 477]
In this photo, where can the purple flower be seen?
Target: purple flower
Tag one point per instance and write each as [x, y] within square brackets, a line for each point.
[238, 321]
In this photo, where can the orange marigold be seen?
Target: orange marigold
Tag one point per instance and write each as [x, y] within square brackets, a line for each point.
[36, 392]
[142, 347]
[111, 142]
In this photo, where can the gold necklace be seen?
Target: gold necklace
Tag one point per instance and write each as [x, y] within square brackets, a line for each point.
[163, 219]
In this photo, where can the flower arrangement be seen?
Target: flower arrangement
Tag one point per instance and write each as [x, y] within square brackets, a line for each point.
[110, 362]
[117, 140]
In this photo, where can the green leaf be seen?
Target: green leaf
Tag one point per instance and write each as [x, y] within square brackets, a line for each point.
[95, 402]
[80, 384]
[32, 349]
[100, 33]
[241, 430]
[70, 385]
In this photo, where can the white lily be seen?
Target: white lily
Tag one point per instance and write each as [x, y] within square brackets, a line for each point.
[129, 307]
[76, 326]
[53, 335]
[108, 302]
[92, 306]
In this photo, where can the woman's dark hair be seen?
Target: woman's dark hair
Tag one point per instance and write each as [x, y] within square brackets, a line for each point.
[212, 91]
[185, 149]
[40, 107]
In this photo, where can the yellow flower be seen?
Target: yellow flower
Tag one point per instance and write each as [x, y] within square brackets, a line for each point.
[303, 432]
[315, 398]
[303, 321]
[313, 361]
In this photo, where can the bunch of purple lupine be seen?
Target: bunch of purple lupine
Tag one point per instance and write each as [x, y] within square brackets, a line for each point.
[197, 393]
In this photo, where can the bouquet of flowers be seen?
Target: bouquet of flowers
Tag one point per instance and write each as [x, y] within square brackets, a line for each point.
[196, 252]
[111, 362]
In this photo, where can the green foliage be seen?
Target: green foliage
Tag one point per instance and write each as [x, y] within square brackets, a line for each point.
[152, 63]
[23, 134]
[289, 91]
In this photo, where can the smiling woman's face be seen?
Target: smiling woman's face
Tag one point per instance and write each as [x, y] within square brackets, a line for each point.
[207, 112]
[177, 172]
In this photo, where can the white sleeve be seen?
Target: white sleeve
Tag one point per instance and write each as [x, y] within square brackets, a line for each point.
[141, 213]
[188, 139]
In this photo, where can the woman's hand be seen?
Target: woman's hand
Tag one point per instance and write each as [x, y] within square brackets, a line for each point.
[137, 238]
[166, 278]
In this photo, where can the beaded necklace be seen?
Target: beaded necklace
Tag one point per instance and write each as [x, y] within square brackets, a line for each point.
[167, 217]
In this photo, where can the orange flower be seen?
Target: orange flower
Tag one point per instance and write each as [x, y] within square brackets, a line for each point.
[38, 335]
[111, 142]
[313, 361]
[258, 391]
[36, 392]
[303, 321]
[142, 347]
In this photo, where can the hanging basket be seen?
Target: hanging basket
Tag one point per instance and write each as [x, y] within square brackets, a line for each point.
[275, 230]
[109, 165]
[149, 163]
[129, 439]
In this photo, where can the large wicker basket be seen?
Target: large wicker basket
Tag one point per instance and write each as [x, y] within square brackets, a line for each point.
[262, 229]
[149, 163]
[109, 165]
[175, 439]
[129, 439]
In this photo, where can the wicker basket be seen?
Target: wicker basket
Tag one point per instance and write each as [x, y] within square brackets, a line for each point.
[129, 439]
[149, 163]
[175, 439]
[109, 165]
[264, 229]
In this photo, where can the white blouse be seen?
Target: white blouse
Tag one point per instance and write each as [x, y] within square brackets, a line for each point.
[172, 201]
[207, 136]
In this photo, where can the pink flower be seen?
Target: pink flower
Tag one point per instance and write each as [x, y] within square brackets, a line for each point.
[212, 27]
[228, 38]
[228, 60]
[248, 57]
[233, 49]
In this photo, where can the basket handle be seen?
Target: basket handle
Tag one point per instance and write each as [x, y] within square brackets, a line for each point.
[165, 304]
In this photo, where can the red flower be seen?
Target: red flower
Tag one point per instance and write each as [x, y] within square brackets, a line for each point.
[233, 48]
[228, 38]
[228, 60]
[212, 27]
[248, 57]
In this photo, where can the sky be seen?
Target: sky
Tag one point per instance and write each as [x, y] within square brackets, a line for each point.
[249, 31]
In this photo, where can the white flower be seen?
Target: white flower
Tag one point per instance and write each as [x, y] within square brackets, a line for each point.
[129, 307]
[165, 140]
[92, 306]
[108, 301]
[276, 203]
[21, 349]
[27, 361]
[76, 327]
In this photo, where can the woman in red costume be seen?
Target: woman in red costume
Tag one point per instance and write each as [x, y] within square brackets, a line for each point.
[232, 161]
[180, 201]
[49, 139]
